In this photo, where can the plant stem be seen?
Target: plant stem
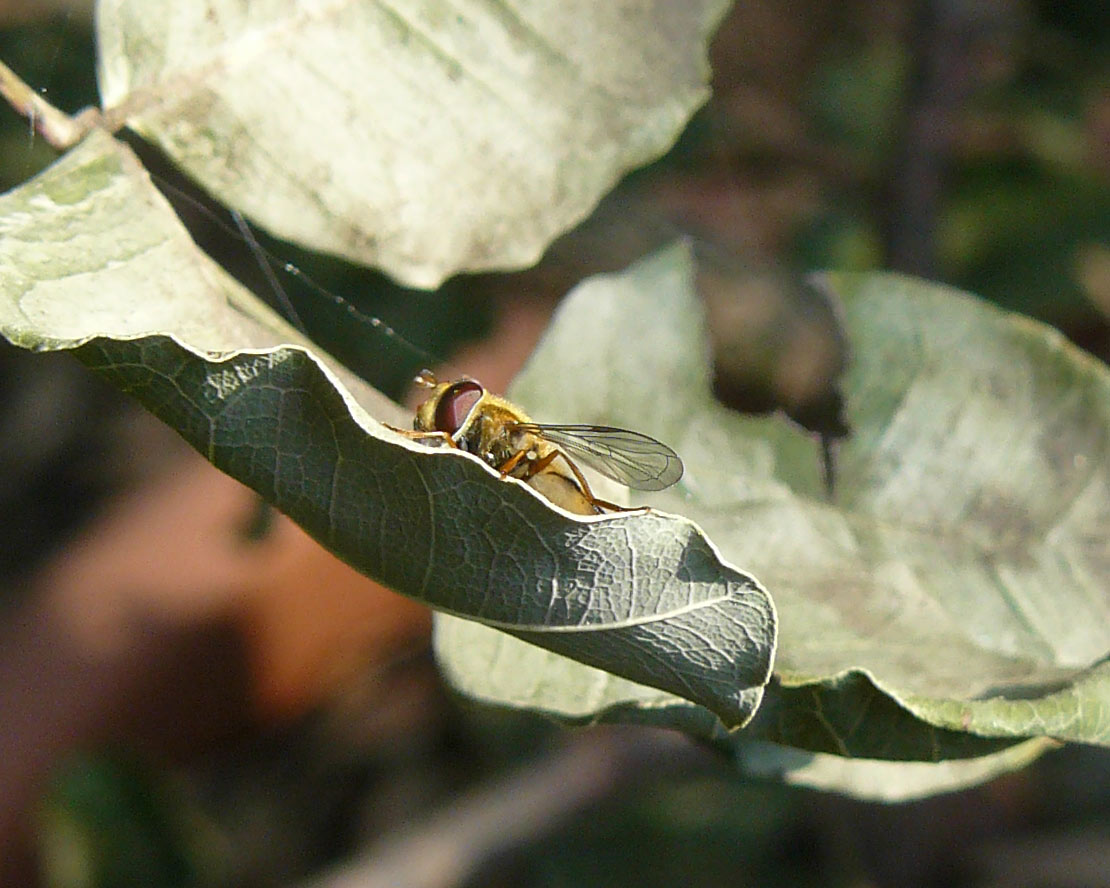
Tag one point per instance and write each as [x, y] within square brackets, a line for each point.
[59, 129]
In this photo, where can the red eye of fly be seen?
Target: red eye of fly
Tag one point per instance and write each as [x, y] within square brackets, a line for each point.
[455, 405]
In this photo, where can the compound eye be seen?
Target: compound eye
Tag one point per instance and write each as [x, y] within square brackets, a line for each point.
[455, 405]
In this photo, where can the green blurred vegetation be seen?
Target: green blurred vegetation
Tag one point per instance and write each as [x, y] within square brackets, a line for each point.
[110, 821]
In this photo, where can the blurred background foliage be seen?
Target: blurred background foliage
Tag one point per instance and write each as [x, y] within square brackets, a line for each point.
[294, 718]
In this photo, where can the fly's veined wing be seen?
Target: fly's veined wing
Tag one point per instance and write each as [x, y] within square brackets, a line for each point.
[635, 460]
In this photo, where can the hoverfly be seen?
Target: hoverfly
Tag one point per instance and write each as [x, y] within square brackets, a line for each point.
[462, 414]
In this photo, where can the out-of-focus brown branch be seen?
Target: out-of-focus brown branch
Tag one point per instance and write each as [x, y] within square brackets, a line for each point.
[524, 806]
[949, 36]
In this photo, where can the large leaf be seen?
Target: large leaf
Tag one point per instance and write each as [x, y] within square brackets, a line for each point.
[917, 760]
[954, 599]
[93, 260]
[424, 137]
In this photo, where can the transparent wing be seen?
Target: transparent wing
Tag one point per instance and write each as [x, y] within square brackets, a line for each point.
[632, 459]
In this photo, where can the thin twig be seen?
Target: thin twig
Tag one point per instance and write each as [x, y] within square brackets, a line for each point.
[452, 845]
[59, 129]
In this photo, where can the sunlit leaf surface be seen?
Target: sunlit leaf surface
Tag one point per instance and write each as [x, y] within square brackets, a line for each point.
[424, 138]
[954, 599]
[92, 260]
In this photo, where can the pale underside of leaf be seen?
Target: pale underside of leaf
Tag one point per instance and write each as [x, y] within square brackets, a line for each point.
[882, 781]
[849, 717]
[93, 260]
[426, 138]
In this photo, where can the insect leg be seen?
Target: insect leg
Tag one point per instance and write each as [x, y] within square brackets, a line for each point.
[513, 461]
[423, 436]
[534, 468]
[585, 487]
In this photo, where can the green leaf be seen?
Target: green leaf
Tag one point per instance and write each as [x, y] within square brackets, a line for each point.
[500, 669]
[953, 600]
[422, 138]
[93, 260]
[881, 781]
